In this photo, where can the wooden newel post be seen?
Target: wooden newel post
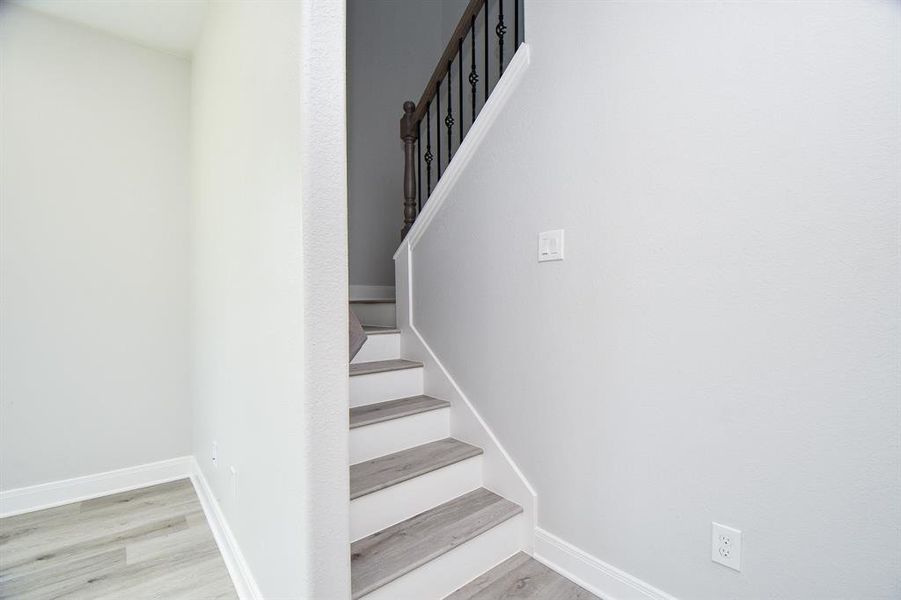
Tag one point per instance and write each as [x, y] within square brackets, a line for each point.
[408, 135]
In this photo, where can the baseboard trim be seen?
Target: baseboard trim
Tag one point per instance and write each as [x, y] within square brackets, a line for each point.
[237, 566]
[371, 292]
[598, 577]
[66, 491]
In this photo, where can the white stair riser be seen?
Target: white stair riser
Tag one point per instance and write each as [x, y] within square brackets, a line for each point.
[382, 346]
[390, 385]
[395, 435]
[378, 510]
[451, 571]
[381, 314]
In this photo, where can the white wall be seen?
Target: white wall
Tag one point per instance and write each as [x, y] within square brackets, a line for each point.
[94, 218]
[721, 342]
[393, 46]
[270, 287]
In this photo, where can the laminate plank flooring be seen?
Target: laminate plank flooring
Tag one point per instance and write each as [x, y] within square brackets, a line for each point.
[520, 577]
[153, 542]
[386, 555]
[393, 409]
[383, 472]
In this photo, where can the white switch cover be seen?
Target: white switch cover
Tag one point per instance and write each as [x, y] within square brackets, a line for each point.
[726, 546]
[550, 245]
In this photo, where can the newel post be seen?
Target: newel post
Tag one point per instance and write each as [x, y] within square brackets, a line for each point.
[408, 135]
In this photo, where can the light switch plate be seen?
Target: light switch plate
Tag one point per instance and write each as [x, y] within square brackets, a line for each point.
[550, 245]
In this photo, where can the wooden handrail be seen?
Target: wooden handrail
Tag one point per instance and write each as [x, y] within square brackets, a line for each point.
[472, 9]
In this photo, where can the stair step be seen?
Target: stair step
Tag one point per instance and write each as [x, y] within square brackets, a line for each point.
[371, 414]
[382, 366]
[374, 301]
[385, 471]
[521, 576]
[388, 554]
[379, 330]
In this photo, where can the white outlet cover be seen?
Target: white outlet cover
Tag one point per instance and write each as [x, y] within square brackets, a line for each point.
[550, 245]
[726, 546]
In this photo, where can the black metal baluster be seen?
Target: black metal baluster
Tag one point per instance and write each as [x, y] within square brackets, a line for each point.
[419, 162]
[516, 25]
[500, 30]
[428, 148]
[473, 76]
[438, 126]
[449, 119]
[460, 86]
[487, 72]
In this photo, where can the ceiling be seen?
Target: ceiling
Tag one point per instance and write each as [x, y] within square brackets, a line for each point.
[169, 25]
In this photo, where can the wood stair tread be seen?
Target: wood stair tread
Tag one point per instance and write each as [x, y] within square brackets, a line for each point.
[374, 301]
[388, 554]
[519, 577]
[382, 366]
[379, 330]
[370, 414]
[383, 472]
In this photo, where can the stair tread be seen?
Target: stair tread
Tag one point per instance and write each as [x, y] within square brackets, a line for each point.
[374, 301]
[379, 329]
[383, 472]
[370, 414]
[521, 576]
[382, 366]
[388, 554]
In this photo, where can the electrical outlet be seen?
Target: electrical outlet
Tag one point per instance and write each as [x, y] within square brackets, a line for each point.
[726, 546]
[214, 454]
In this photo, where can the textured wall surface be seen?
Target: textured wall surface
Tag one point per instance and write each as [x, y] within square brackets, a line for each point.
[721, 342]
[270, 291]
[93, 252]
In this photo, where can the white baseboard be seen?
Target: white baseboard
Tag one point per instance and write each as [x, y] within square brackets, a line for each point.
[593, 574]
[371, 292]
[66, 491]
[237, 566]
[57, 493]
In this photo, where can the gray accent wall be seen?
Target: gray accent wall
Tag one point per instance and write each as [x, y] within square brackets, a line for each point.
[392, 48]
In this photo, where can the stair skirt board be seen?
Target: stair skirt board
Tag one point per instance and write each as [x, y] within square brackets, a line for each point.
[454, 569]
[379, 347]
[379, 313]
[372, 441]
[378, 510]
[390, 385]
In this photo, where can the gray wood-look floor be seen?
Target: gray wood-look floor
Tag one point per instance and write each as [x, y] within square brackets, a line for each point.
[379, 329]
[386, 555]
[391, 469]
[382, 366]
[148, 543]
[393, 409]
[520, 577]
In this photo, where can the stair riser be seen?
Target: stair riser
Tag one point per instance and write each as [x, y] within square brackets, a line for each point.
[390, 385]
[381, 314]
[383, 346]
[447, 573]
[378, 510]
[379, 439]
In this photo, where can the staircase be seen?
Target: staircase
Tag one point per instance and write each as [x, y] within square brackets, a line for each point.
[422, 525]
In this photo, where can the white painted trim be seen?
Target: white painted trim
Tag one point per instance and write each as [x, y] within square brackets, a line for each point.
[593, 574]
[531, 510]
[513, 73]
[237, 566]
[371, 292]
[66, 491]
